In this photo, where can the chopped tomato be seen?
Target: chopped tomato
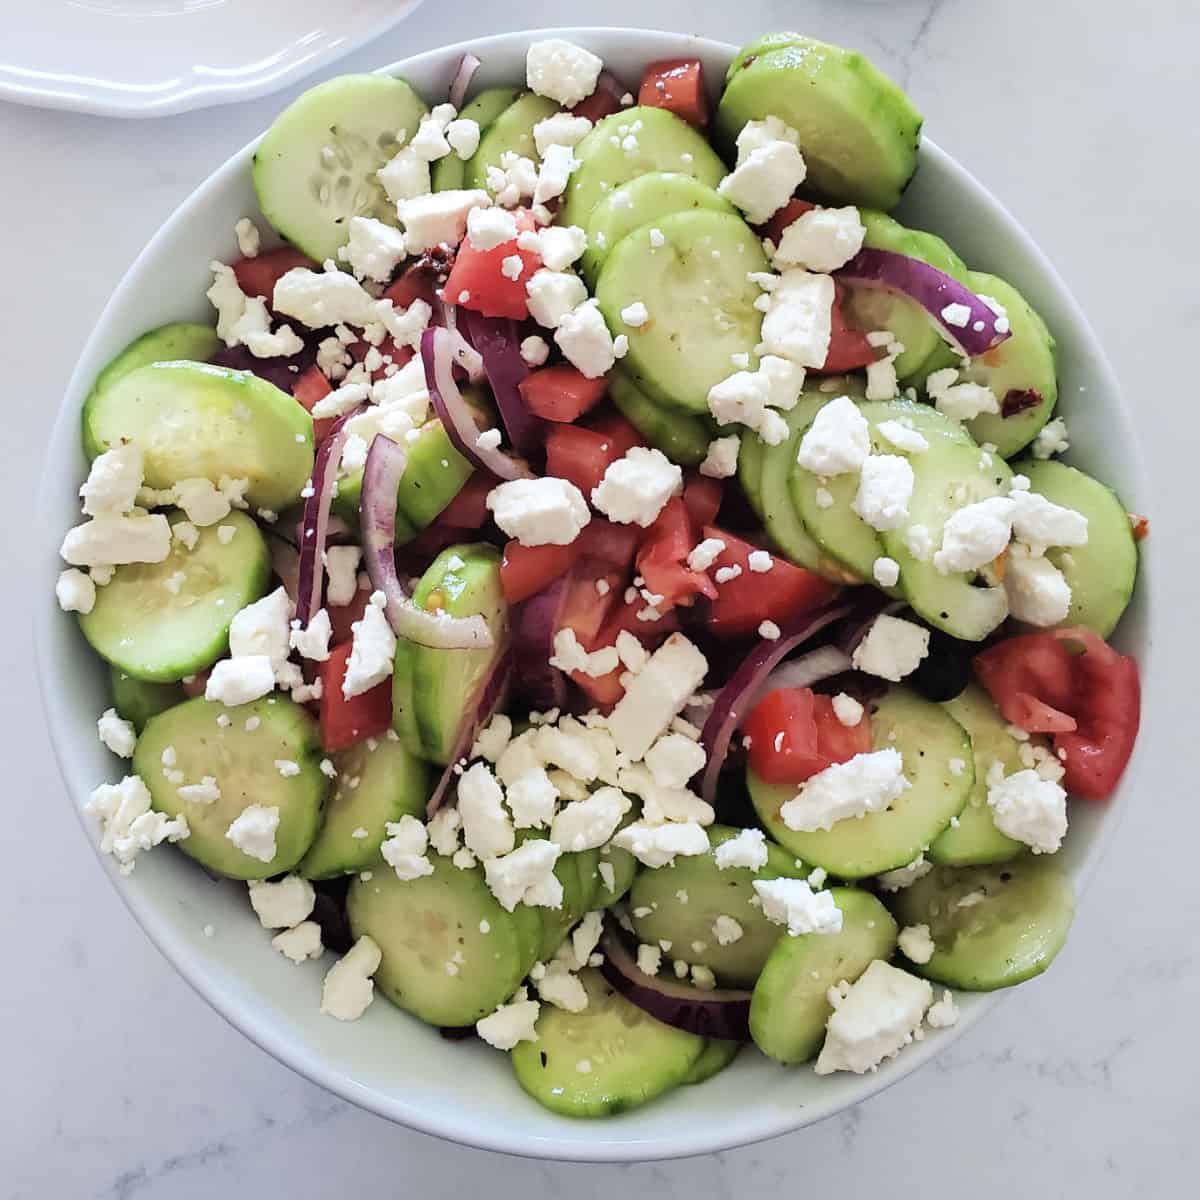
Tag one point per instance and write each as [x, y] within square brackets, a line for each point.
[676, 84]
[662, 559]
[392, 355]
[600, 104]
[1073, 685]
[794, 734]
[702, 496]
[195, 685]
[579, 455]
[774, 228]
[561, 393]
[258, 276]
[613, 544]
[420, 281]
[526, 570]
[620, 433]
[310, 387]
[469, 510]
[625, 616]
[781, 595]
[585, 607]
[602, 690]
[848, 347]
[343, 616]
[477, 280]
[345, 722]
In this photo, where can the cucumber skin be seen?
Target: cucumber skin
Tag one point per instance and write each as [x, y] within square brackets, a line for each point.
[511, 130]
[714, 1058]
[137, 700]
[449, 173]
[682, 437]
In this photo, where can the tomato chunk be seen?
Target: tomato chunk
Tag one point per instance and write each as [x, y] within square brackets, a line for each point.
[310, 387]
[526, 570]
[794, 734]
[477, 280]
[848, 347]
[342, 617]
[600, 104]
[703, 497]
[561, 393]
[613, 544]
[392, 355]
[579, 455]
[782, 594]
[345, 722]
[774, 228]
[662, 559]
[469, 510]
[258, 276]
[677, 84]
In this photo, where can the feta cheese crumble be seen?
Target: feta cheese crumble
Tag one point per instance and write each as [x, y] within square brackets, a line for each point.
[511, 1023]
[838, 441]
[539, 512]
[284, 904]
[892, 649]
[867, 783]
[793, 903]
[561, 71]
[1028, 808]
[636, 487]
[348, 988]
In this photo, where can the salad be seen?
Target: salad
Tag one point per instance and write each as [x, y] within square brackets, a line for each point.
[605, 580]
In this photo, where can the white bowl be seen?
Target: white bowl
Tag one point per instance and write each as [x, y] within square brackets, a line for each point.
[388, 1062]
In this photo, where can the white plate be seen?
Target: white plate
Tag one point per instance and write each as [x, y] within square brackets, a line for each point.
[148, 58]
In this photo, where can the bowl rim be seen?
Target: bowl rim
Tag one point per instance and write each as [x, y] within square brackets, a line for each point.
[306, 1061]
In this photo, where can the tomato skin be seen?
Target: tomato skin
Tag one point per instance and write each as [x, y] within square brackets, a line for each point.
[469, 510]
[794, 734]
[400, 355]
[600, 104]
[662, 559]
[345, 722]
[676, 84]
[310, 387]
[477, 274]
[561, 393]
[781, 595]
[848, 347]
[258, 276]
[578, 455]
[1031, 679]
[527, 570]
[702, 497]
[774, 228]
[420, 281]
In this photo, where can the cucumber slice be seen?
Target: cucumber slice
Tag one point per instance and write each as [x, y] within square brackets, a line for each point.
[349, 497]
[404, 711]
[664, 142]
[935, 251]
[577, 872]
[377, 782]
[750, 461]
[437, 963]
[192, 420]
[1010, 935]
[1023, 362]
[624, 865]
[763, 45]
[511, 131]
[641, 200]
[435, 474]
[1103, 572]
[948, 476]
[315, 167]
[858, 131]
[700, 300]
[137, 700]
[790, 1005]
[683, 438]
[242, 761]
[630, 1057]
[461, 581]
[928, 738]
[976, 839]
[177, 342]
[157, 626]
[449, 173]
[714, 1058]
[680, 904]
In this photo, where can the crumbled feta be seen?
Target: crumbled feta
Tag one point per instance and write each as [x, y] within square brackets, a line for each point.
[463, 137]
[488, 228]
[487, 829]
[404, 326]
[439, 218]
[1028, 808]
[943, 1014]
[705, 554]
[867, 783]
[838, 440]
[526, 876]
[847, 710]
[1052, 439]
[119, 736]
[657, 845]
[915, 943]
[727, 931]
[662, 804]
[635, 315]
[127, 824]
[885, 487]
[75, 591]
[657, 694]
[262, 628]
[312, 642]
[562, 129]
[892, 649]
[1038, 592]
[975, 535]
[886, 571]
[557, 164]
[300, 943]
[113, 481]
[1040, 523]
[637, 486]
[798, 320]
[320, 298]
[284, 904]
[253, 831]
[822, 239]
[585, 341]
[649, 959]
[959, 401]
[112, 540]
[510, 1023]
[882, 381]
[570, 656]
[766, 175]
[373, 651]
[374, 249]
[348, 988]
[793, 903]
[341, 565]
[249, 239]
[234, 681]
[491, 740]
[204, 792]
[674, 759]
[404, 849]
[748, 850]
[562, 71]
[534, 351]
[562, 988]
[590, 823]
[722, 458]
[532, 797]
[430, 142]
[902, 437]
[553, 296]
[539, 512]
[559, 246]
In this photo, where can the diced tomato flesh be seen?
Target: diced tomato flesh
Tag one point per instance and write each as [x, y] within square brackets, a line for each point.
[774, 228]
[794, 734]
[258, 276]
[600, 104]
[848, 347]
[342, 617]
[620, 433]
[662, 559]
[195, 685]
[676, 84]
[312, 386]
[399, 356]
[613, 544]
[579, 455]
[345, 722]
[703, 497]
[562, 392]
[469, 510]
[420, 281]
[781, 595]
[477, 280]
[526, 570]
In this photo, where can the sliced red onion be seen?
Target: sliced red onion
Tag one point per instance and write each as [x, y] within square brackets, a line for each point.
[608, 82]
[441, 351]
[499, 345]
[488, 697]
[314, 530]
[802, 672]
[719, 1013]
[467, 66]
[733, 702]
[934, 291]
[535, 622]
[377, 517]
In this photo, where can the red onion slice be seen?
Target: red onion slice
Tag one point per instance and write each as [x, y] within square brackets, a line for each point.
[934, 291]
[535, 622]
[732, 704]
[802, 672]
[499, 345]
[606, 81]
[720, 1013]
[467, 66]
[487, 699]
[314, 527]
[441, 351]
[377, 517]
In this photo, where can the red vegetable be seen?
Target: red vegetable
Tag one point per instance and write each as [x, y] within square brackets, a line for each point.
[579, 455]
[794, 734]
[527, 570]
[612, 544]
[469, 510]
[345, 722]
[662, 559]
[849, 349]
[478, 282]
[257, 276]
[600, 104]
[562, 392]
[342, 617]
[498, 343]
[677, 84]
[793, 209]
[311, 386]
[702, 497]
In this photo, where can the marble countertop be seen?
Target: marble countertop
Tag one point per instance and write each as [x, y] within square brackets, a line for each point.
[121, 1083]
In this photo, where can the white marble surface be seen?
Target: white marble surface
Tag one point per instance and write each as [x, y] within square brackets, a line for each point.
[120, 1083]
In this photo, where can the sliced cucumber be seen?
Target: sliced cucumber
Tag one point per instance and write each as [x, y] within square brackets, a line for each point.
[438, 963]
[163, 621]
[449, 173]
[348, 499]
[243, 762]
[1021, 363]
[377, 782]
[750, 461]
[315, 167]
[681, 903]
[976, 839]
[858, 131]
[435, 474]
[178, 342]
[661, 142]
[581, 884]
[700, 300]
[949, 476]
[137, 700]
[1103, 572]
[1013, 925]
[714, 1058]
[192, 419]
[790, 1005]
[927, 738]
[461, 581]
[404, 710]
[608, 1058]
[641, 200]
[763, 45]
[683, 438]
[510, 132]
[623, 864]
